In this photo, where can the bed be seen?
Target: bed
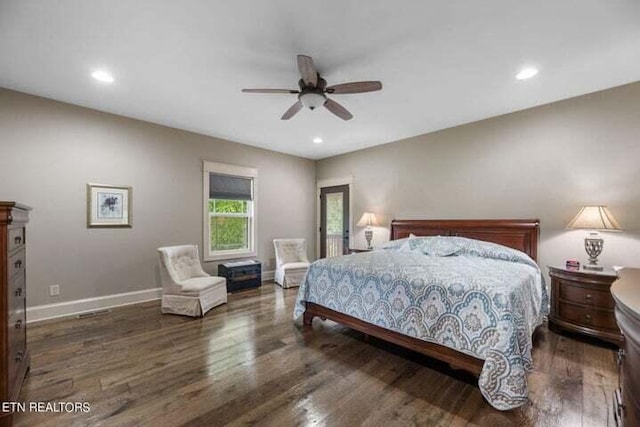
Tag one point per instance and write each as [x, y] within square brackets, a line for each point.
[468, 298]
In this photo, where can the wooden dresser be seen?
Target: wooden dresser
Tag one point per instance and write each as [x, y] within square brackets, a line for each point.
[581, 302]
[14, 357]
[626, 399]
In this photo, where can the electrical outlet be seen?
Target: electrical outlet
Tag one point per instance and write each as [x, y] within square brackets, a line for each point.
[54, 290]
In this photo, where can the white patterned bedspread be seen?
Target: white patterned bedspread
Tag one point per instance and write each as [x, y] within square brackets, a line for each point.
[479, 298]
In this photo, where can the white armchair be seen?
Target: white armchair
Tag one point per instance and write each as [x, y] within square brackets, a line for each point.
[186, 288]
[291, 261]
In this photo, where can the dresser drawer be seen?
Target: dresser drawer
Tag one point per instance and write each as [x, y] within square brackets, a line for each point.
[569, 291]
[17, 334]
[588, 317]
[17, 295]
[16, 264]
[16, 238]
[17, 346]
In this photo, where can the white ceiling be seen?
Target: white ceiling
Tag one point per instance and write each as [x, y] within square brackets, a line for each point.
[442, 63]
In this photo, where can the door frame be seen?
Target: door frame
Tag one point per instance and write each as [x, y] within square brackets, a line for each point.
[332, 182]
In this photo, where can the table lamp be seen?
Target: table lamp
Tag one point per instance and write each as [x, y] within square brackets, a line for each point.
[368, 220]
[596, 218]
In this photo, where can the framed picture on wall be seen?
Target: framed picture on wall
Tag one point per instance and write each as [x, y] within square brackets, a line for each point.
[108, 206]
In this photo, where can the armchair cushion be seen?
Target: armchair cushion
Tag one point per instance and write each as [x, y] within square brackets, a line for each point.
[198, 284]
[295, 265]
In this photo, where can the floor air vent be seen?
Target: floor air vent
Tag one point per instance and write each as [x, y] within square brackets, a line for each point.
[93, 314]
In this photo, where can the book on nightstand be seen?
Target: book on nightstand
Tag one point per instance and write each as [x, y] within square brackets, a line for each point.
[572, 265]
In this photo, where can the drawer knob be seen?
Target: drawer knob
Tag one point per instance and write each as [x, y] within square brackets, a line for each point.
[19, 356]
[19, 324]
[17, 240]
[588, 297]
[18, 264]
[587, 318]
[18, 292]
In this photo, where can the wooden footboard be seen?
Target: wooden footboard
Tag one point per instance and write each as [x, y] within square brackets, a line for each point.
[454, 358]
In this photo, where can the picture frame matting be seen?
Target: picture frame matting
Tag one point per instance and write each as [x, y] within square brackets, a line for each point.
[109, 206]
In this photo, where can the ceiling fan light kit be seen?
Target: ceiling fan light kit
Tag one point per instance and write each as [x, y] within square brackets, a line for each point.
[313, 90]
[312, 100]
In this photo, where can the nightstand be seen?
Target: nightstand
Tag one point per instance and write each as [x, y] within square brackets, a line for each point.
[581, 302]
[357, 251]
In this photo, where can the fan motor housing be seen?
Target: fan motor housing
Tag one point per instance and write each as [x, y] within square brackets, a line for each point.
[312, 97]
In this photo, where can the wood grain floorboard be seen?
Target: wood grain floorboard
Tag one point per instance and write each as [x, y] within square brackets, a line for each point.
[248, 363]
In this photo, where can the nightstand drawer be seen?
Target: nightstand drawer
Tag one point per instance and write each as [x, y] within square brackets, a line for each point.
[588, 317]
[570, 291]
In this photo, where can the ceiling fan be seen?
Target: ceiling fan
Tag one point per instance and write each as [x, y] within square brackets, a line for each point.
[313, 90]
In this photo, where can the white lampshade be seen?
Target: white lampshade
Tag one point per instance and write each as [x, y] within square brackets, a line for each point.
[595, 218]
[312, 100]
[368, 219]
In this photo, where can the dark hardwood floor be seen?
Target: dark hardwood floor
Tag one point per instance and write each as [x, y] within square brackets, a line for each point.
[248, 363]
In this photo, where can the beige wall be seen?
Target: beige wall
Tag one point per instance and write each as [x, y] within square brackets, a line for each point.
[49, 151]
[543, 162]
[540, 163]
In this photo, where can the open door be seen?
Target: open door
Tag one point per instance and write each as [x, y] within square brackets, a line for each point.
[334, 221]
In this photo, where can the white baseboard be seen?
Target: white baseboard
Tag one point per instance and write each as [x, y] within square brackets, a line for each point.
[268, 275]
[72, 308]
[88, 305]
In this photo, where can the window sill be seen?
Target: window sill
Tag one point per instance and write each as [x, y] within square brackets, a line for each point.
[229, 255]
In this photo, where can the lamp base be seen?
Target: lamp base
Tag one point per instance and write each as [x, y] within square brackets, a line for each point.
[593, 247]
[368, 235]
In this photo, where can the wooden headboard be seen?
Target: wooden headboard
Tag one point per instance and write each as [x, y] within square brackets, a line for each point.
[520, 234]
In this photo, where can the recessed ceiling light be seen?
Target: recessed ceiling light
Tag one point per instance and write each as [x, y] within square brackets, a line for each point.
[526, 73]
[102, 76]
[317, 140]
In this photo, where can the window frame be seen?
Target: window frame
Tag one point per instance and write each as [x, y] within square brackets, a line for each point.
[241, 172]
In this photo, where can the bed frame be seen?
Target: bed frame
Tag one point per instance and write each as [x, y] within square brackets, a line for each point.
[520, 234]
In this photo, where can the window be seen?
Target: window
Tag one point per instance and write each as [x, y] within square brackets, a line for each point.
[229, 211]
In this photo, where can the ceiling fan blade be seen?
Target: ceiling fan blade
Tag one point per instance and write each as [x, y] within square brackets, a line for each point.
[308, 70]
[355, 87]
[292, 111]
[270, 91]
[338, 109]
